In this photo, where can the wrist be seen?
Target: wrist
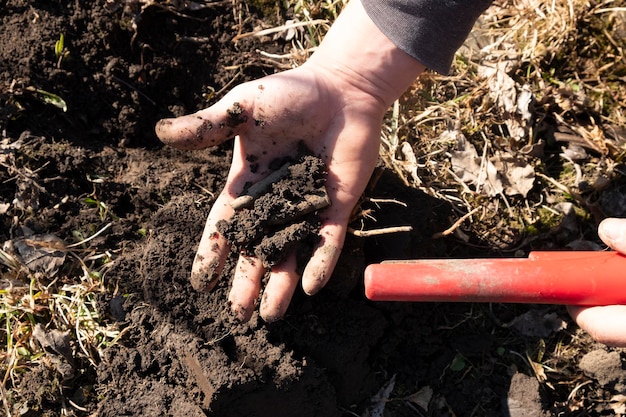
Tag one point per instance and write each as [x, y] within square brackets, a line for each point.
[357, 55]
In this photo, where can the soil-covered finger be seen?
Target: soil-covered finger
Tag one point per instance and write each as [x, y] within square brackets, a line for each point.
[279, 290]
[323, 261]
[320, 267]
[245, 287]
[207, 269]
[213, 248]
[205, 128]
[273, 249]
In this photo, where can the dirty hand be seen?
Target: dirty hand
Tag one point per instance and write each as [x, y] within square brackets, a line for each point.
[606, 324]
[334, 103]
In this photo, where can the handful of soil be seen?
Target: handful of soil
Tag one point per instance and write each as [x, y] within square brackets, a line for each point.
[278, 214]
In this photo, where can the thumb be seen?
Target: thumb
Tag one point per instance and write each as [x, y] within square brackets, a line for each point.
[606, 324]
[613, 233]
[211, 126]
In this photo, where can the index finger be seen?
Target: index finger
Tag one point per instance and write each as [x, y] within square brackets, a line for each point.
[209, 127]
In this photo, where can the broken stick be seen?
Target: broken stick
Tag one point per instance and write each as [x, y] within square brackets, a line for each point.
[258, 189]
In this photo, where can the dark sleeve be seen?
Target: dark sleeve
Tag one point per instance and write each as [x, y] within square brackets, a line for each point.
[431, 31]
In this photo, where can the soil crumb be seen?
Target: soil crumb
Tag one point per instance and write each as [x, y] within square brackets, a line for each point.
[279, 214]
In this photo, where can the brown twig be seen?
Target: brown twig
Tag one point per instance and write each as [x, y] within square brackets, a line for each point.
[455, 226]
[378, 232]
[386, 200]
[259, 188]
[281, 28]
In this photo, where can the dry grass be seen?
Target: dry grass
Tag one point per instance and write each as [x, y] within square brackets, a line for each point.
[575, 123]
[50, 316]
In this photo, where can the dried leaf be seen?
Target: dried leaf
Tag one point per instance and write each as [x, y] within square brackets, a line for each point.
[575, 152]
[501, 173]
[56, 340]
[524, 103]
[27, 194]
[8, 148]
[410, 162]
[471, 169]
[536, 150]
[538, 370]
[518, 176]
[503, 90]
[618, 404]
[41, 253]
[422, 397]
[501, 86]
[379, 401]
[57, 343]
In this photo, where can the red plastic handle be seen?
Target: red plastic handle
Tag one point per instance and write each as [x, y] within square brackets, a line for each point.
[574, 278]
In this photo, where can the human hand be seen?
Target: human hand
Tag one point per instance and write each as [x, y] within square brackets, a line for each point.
[606, 324]
[334, 103]
[270, 116]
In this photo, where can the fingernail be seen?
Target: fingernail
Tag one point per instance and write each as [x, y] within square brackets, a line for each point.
[314, 280]
[270, 313]
[241, 312]
[163, 123]
[204, 276]
[270, 318]
[316, 272]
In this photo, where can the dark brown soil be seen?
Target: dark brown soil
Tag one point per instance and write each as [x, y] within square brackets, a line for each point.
[182, 353]
[282, 217]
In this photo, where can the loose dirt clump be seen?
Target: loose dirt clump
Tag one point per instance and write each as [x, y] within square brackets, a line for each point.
[279, 213]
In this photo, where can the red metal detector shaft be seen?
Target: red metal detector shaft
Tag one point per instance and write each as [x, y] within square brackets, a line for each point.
[574, 278]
